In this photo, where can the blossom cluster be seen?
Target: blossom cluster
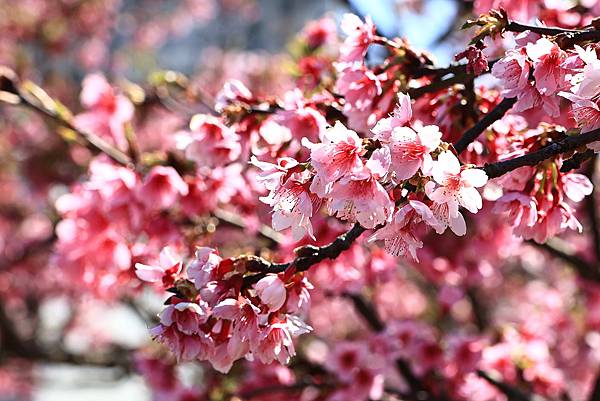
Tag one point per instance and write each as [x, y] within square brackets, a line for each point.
[360, 189]
[215, 316]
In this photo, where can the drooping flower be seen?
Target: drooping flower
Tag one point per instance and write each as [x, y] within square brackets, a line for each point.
[400, 117]
[186, 316]
[456, 185]
[359, 86]
[399, 234]
[453, 187]
[202, 270]
[548, 71]
[360, 197]
[585, 94]
[477, 63]
[513, 72]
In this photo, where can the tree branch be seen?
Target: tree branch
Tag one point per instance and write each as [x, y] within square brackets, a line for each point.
[514, 26]
[570, 143]
[368, 312]
[307, 256]
[40, 102]
[576, 161]
[512, 393]
[585, 269]
[495, 114]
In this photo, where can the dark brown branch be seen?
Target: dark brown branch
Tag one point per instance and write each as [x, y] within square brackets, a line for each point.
[576, 161]
[455, 69]
[307, 256]
[514, 26]
[512, 393]
[565, 38]
[479, 312]
[438, 85]
[495, 114]
[568, 144]
[366, 311]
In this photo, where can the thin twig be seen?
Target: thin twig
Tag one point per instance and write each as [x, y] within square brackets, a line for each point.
[9, 83]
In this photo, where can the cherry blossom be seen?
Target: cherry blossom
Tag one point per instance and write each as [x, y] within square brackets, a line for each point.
[456, 186]
[360, 197]
[359, 37]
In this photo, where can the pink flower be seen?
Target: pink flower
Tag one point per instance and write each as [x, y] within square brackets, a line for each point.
[276, 343]
[456, 185]
[401, 117]
[187, 316]
[522, 210]
[513, 72]
[548, 72]
[301, 119]
[410, 150]
[585, 93]
[360, 197]
[399, 234]
[210, 143]
[271, 292]
[289, 196]
[246, 333]
[203, 268]
[359, 86]
[320, 32]
[233, 91]
[108, 111]
[359, 36]
[477, 63]
[337, 156]
[293, 206]
[185, 347]
[169, 266]
[273, 175]
[576, 186]
[346, 358]
[161, 188]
